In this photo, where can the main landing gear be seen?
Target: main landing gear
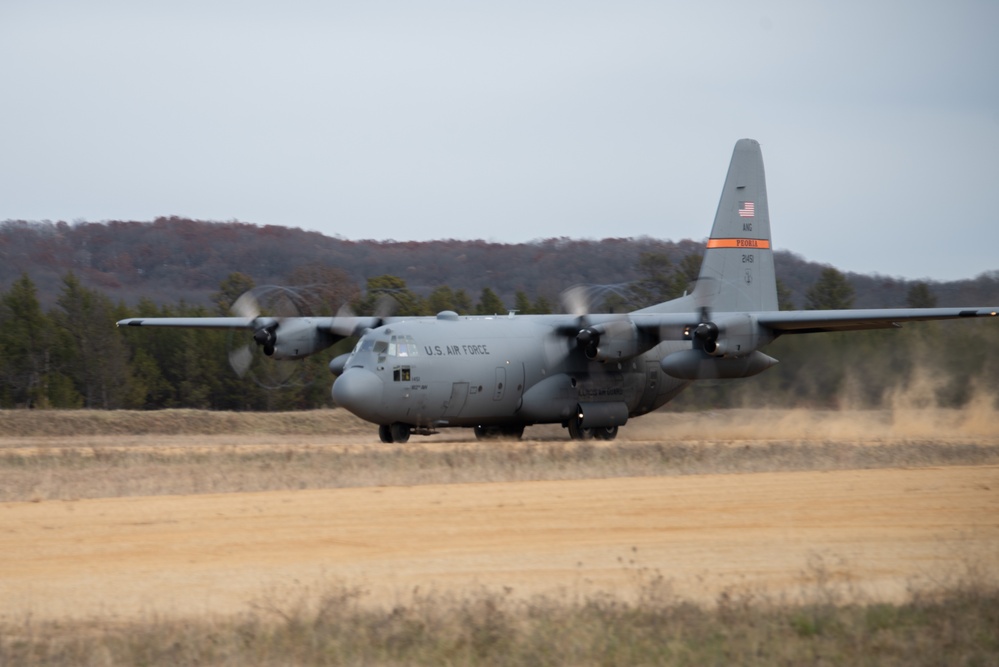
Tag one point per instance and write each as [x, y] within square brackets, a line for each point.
[577, 432]
[511, 431]
[395, 432]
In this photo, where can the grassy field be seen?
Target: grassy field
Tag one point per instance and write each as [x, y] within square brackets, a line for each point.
[956, 627]
[81, 423]
[68, 455]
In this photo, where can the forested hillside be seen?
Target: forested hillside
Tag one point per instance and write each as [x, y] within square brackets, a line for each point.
[63, 286]
[173, 259]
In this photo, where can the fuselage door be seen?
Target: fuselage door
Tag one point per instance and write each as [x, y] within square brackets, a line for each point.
[459, 392]
[651, 385]
[500, 383]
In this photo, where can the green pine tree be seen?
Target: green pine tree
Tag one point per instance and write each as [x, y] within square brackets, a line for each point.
[831, 291]
[489, 304]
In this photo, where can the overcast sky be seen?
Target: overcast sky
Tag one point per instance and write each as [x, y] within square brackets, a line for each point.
[514, 120]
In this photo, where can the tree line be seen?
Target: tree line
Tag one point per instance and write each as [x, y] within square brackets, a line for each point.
[71, 355]
[177, 258]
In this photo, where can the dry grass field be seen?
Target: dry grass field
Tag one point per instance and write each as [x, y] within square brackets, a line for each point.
[759, 537]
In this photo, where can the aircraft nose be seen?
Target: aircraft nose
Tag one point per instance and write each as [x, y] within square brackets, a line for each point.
[359, 391]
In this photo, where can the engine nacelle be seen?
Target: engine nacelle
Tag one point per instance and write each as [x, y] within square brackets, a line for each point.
[297, 338]
[697, 365]
[615, 341]
[731, 336]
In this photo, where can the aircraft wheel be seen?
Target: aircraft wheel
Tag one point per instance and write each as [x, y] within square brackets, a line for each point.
[385, 433]
[514, 432]
[605, 433]
[577, 432]
[400, 432]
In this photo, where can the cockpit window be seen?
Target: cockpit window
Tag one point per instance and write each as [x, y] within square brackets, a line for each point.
[405, 346]
[396, 346]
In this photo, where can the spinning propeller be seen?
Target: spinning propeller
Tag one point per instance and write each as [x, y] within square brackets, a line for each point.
[347, 323]
[265, 308]
[617, 328]
[576, 301]
[705, 334]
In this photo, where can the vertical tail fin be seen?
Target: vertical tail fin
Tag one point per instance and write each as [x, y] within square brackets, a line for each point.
[737, 273]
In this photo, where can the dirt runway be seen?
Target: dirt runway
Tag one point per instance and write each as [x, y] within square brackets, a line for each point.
[868, 533]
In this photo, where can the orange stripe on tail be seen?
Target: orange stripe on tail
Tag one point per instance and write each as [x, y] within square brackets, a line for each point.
[739, 243]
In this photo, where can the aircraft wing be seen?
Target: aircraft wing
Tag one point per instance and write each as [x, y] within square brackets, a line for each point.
[280, 337]
[341, 325]
[815, 321]
[190, 322]
[784, 321]
[678, 326]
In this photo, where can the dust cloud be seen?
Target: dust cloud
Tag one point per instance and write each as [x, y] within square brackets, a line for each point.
[911, 413]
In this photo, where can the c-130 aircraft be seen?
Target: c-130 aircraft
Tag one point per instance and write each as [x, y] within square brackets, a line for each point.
[590, 373]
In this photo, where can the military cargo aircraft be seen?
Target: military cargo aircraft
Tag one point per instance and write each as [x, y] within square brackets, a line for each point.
[589, 372]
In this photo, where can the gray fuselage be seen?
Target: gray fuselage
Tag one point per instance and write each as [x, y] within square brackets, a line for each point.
[491, 371]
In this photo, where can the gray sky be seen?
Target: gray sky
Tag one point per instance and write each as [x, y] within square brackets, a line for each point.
[514, 120]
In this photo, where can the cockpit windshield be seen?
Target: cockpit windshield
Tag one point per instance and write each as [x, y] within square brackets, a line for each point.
[404, 346]
[394, 346]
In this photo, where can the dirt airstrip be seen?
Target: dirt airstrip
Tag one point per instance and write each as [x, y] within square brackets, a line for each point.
[865, 534]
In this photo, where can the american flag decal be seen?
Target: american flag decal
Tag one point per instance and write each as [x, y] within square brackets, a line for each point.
[747, 209]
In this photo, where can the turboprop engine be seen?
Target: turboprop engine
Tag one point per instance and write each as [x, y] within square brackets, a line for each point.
[286, 332]
[724, 349]
[298, 338]
[731, 335]
[613, 341]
